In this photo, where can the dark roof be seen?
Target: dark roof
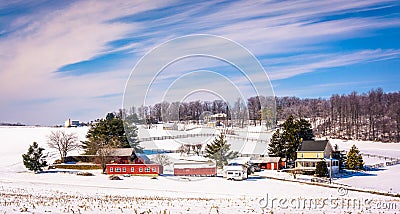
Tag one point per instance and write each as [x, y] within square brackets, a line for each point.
[310, 146]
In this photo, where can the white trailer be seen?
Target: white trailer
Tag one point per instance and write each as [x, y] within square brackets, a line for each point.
[235, 172]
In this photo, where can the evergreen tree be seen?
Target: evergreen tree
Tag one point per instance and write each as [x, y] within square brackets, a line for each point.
[131, 132]
[34, 159]
[110, 132]
[321, 169]
[276, 148]
[339, 155]
[305, 131]
[354, 159]
[219, 150]
[285, 144]
[290, 138]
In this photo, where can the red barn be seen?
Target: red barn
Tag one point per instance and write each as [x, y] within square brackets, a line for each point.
[127, 162]
[195, 169]
[134, 169]
[271, 163]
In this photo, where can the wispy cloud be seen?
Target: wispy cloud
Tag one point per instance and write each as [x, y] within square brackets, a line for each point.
[290, 38]
[310, 63]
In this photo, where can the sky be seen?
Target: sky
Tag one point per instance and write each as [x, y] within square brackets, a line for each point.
[73, 59]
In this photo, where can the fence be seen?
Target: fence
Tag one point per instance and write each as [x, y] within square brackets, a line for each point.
[202, 135]
[393, 161]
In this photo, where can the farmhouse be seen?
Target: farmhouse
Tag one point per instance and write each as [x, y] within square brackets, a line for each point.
[310, 153]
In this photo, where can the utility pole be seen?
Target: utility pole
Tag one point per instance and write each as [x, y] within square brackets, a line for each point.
[330, 169]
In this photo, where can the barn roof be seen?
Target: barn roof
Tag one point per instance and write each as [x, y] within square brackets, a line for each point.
[194, 165]
[313, 146]
[121, 152]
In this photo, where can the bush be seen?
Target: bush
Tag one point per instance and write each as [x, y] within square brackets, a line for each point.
[78, 166]
[321, 169]
[85, 174]
[114, 177]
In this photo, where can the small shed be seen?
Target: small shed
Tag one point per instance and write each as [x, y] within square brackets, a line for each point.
[195, 168]
[270, 163]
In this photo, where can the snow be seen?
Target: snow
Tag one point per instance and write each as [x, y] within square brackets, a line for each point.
[67, 192]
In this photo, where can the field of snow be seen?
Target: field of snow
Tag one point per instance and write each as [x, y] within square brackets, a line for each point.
[21, 190]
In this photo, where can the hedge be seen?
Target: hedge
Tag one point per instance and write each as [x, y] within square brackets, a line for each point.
[78, 166]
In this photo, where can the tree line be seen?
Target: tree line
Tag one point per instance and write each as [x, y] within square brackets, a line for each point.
[258, 110]
[374, 115]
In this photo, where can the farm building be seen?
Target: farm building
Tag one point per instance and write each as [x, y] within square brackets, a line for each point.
[127, 162]
[310, 153]
[195, 168]
[134, 169]
[127, 155]
[71, 123]
[270, 163]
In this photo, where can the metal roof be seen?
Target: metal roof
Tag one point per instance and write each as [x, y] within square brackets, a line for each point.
[313, 146]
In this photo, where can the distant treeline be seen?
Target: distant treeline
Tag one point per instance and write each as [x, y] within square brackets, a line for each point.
[256, 110]
[12, 124]
[368, 116]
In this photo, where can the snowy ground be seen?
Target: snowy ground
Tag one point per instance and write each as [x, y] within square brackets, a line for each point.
[67, 192]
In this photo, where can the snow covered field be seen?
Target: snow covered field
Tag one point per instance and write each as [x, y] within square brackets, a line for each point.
[67, 192]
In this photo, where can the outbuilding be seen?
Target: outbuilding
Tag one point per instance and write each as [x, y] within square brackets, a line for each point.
[270, 163]
[134, 169]
[195, 168]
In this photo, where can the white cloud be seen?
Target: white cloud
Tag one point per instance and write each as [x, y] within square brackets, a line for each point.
[41, 43]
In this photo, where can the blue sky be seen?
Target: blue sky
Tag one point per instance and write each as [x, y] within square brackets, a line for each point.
[72, 60]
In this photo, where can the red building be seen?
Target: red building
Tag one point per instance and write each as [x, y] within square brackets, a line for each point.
[134, 169]
[270, 163]
[195, 169]
[127, 162]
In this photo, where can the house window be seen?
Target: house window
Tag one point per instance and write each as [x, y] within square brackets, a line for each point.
[132, 169]
[147, 169]
[140, 169]
[117, 169]
[124, 169]
[111, 169]
[154, 169]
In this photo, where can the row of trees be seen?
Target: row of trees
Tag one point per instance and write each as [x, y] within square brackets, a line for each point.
[368, 116]
[257, 109]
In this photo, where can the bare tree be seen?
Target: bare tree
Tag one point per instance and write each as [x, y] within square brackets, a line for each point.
[63, 142]
[104, 154]
[162, 159]
[197, 148]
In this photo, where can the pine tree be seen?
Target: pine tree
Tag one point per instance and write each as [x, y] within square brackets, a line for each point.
[285, 143]
[321, 170]
[305, 131]
[131, 132]
[34, 159]
[111, 132]
[219, 150]
[276, 148]
[354, 159]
